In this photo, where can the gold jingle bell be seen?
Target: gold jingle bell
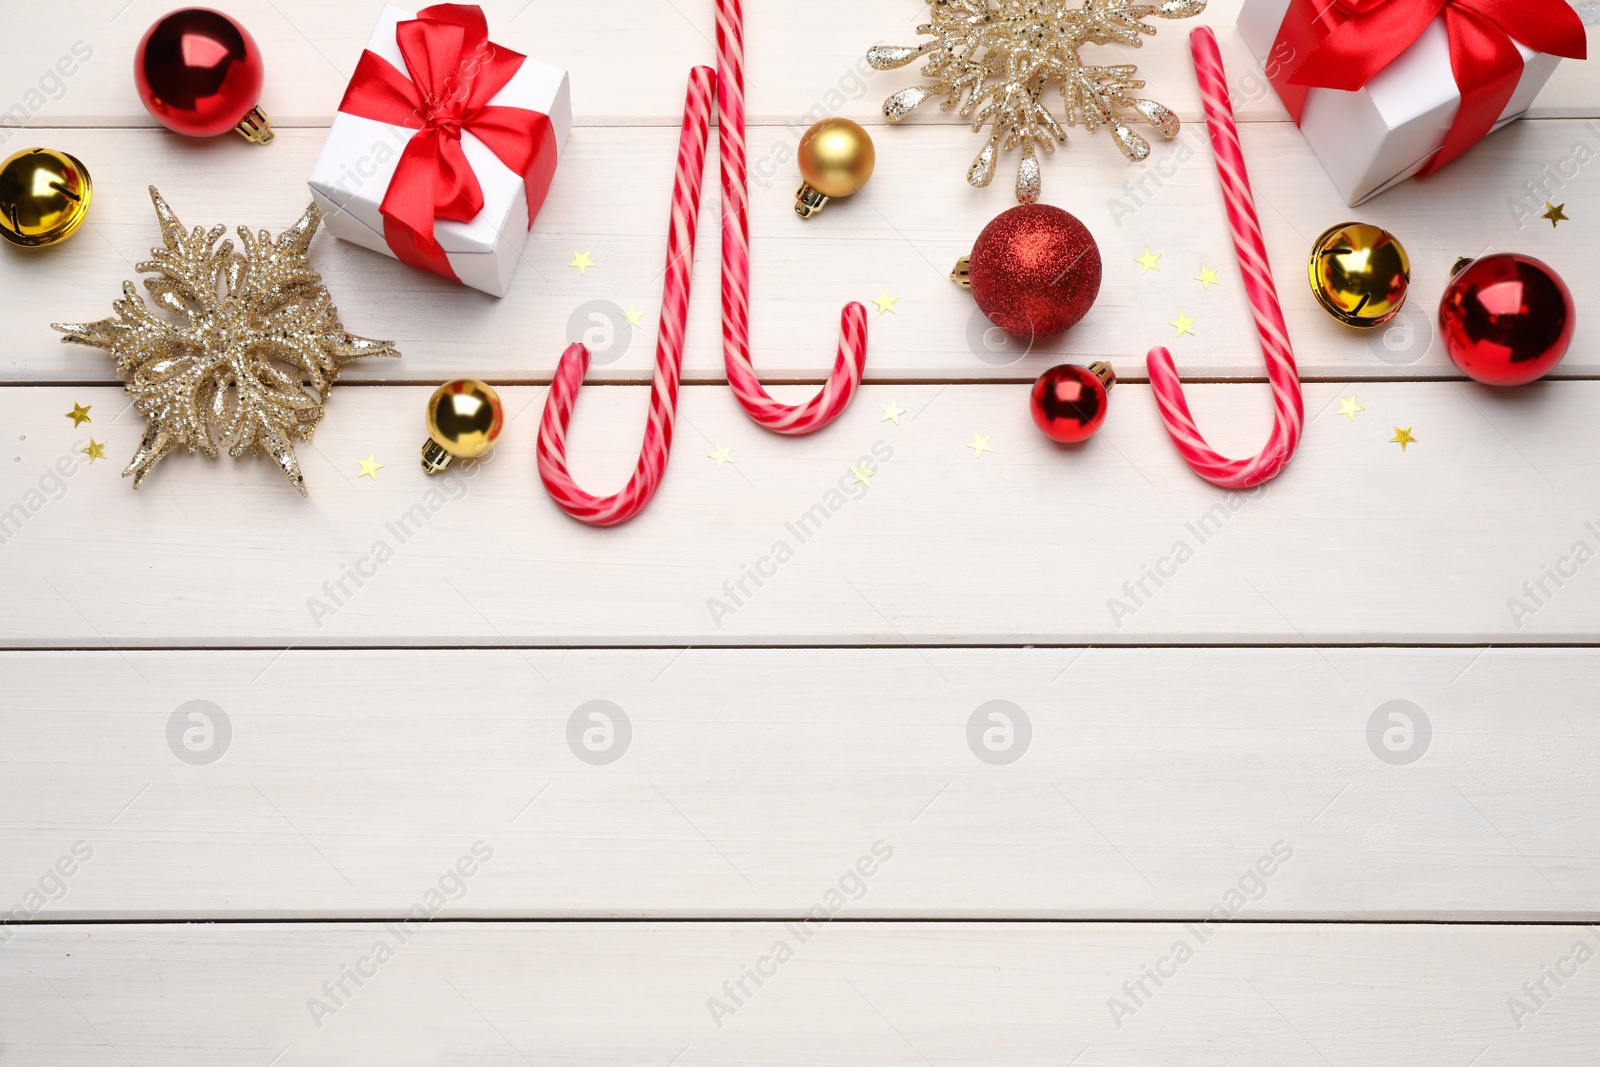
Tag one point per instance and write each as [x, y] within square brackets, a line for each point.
[836, 159]
[1360, 274]
[44, 196]
[465, 418]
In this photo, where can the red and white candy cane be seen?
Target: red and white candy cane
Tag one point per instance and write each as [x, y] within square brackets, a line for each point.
[851, 360]
[1288, 406]
[646, 479]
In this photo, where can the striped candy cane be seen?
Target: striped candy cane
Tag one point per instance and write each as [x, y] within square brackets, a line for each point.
[848, 366]
[1288, 407]
[646, 479]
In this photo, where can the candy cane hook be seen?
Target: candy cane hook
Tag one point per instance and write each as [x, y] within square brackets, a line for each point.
[646, 479]
[851, 360]
[1288, 406]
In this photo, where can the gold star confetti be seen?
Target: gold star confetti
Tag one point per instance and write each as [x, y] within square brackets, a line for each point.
[95, 451]
[370, 466]
[1183, 324]
[1149, 261]
[723, 454]
[633, 317]
[79, 415]
[1207, 276]
[863, 476]
[582, 261]
[1403, 438]
[891, 413]
[1348, 406]
[1555, 213]
[886, 303]
[979, 444]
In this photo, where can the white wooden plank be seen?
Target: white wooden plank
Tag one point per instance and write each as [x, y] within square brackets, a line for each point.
[900, 236]
[947, 994]
[1359, 541]
[741, 783]
[628, 58]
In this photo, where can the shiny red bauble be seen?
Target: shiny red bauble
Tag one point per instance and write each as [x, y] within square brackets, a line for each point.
[1034, 271]
[1069, 402]
[198, 71]
[1506, 319]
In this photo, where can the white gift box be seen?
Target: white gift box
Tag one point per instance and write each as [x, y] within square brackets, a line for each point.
[358, 161]
[1384, 133]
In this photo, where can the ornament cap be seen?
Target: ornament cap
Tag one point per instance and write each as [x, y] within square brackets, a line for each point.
[809, 202]
[1461, 264]
[434, 457]
[255, 127]
[961, 273]
[1102, 370]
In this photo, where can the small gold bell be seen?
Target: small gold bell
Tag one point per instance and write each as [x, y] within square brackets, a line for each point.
[465, 418]
[1360, 274]
[44, 196]
[836, 160]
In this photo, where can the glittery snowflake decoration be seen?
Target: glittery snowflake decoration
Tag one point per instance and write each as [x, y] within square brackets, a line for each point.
[246, 357]
[994, 60]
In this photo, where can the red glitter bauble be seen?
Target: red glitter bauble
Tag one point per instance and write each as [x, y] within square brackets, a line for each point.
[1069, 402]
[198, 71]
[1035, 270]
[1506, 319]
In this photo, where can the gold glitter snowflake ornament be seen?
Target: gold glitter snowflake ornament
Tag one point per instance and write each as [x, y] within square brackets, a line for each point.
[246, 358]
[994, 59]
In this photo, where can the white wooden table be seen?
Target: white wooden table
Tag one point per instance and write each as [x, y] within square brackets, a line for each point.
[419, 751]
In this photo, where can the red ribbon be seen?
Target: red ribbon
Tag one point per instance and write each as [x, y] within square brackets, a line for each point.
[1343, 44]
[454, 72]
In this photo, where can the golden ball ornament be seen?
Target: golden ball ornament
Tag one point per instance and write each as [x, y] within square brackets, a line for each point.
[1360, 274]
[836, 160]
[465, 418]
[44, 196]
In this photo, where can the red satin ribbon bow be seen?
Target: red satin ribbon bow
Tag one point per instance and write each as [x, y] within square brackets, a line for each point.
[1344, 44]
[454, 72]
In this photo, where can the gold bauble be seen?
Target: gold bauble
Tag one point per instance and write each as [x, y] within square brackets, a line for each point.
[836, 159]
[44, 196]
[1360, 274]
[465, 418]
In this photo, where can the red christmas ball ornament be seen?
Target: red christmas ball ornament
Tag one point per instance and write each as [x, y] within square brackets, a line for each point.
[1069, 402]
[1034, 271]
[200, 73]
[1506, 319]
